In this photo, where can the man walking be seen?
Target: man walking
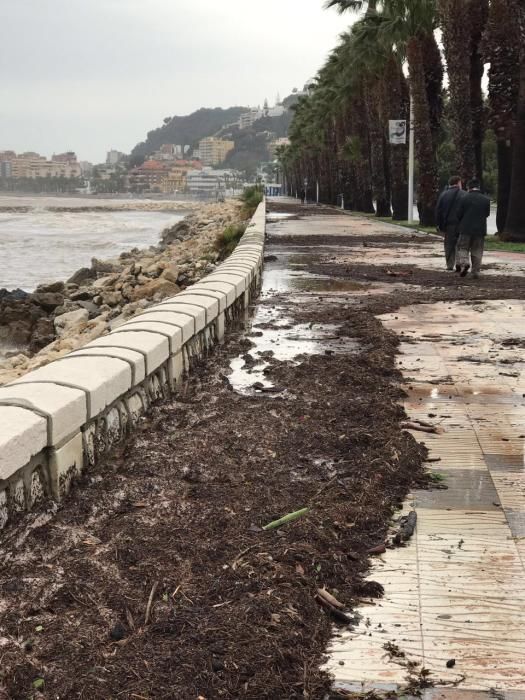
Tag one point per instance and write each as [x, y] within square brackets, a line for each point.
[447, 217]
[473, 212]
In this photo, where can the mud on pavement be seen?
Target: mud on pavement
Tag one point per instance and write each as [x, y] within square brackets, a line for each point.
[154, 579]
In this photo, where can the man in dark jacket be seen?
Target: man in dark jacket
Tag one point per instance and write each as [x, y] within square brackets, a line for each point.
[473, 212]
[447, 217]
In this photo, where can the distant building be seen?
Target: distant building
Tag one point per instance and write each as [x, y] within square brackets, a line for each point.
[33, 165]
[213, 151]
[163, 177]
[86, 168]
[248, 119]
[211, 184]
[6, 169]
[114, 157]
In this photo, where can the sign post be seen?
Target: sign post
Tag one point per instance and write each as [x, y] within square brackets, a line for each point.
[411, 149]
[397, 129]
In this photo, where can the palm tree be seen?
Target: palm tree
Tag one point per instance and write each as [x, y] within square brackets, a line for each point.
[515, 225]
[501, 49]
[409, 26]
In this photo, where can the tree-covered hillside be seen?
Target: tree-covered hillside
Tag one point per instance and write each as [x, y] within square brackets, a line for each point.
[187, 130]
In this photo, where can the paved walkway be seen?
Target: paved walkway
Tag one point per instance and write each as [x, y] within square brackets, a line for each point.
[455, 596]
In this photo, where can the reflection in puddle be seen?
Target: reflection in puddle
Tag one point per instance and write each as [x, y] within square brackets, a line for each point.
[276, 336]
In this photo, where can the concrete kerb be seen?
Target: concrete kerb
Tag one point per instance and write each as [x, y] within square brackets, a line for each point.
[65, 415]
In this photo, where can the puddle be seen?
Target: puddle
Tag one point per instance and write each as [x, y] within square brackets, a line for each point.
[277, 336]
[279, 216]
[281, 279]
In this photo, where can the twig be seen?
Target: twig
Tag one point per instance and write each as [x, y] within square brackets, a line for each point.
[408, 425]
[150, 601]
[329, 598]
[241, 554]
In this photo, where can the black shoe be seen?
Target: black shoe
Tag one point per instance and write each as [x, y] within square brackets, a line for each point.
[458, 268]
[450, 269]
[464, 270]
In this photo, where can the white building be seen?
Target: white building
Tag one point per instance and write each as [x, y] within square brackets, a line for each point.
[248, 119]
[113, 157]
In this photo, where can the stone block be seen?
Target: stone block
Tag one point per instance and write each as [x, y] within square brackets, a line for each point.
[227, 289]
[206, 292]
[23, 434]
[102, 379]
[171, 332]
[235, 278]
[189, 310]
[65, 407]
[245, 269]
[166, 315]
[210, 305]
[64, 465]
[134, 358]
[153, 346]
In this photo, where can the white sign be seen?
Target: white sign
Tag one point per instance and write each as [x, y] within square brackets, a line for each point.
[397, 129]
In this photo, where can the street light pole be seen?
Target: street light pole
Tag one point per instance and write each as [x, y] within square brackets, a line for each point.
[411, 149]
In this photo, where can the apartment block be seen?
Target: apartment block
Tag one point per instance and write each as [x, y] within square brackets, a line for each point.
[213, 151]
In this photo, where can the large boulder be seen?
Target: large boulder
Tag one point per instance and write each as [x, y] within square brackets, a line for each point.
[179, 232]
[171, 273]
[52, 287]
[66, 322]
[83, 275]
[48, 300]
[158, 288]
[43, 333]
[92, 309]
[103, 266]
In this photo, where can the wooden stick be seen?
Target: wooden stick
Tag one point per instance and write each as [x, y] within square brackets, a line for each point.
[150, 601]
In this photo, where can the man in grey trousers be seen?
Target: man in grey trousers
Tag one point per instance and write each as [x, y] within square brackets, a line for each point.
[473, 212]
[447, 217]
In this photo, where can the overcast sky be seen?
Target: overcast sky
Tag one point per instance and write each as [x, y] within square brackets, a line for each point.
[89, 75]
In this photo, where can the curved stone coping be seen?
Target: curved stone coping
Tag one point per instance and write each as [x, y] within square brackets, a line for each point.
[135, 358]
[226, 290]
[50, 407]
[102, 380]
[23, 434]
[63, 408]
[184, 322]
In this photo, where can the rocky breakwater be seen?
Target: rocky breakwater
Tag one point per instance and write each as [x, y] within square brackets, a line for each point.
[38, 327]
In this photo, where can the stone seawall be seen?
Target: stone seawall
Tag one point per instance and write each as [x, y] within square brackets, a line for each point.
[61, 418]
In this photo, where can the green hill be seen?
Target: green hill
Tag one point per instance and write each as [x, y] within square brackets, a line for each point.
[188, 130]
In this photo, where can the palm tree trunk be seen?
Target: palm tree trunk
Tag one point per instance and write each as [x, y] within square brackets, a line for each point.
[428, 178]
[504, 154]
[377, 154]
[433, 70]
[479, 12]
[515, 226]
[455, 23]
[501, 49]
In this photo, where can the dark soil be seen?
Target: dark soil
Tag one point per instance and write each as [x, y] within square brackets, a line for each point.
[354, 241]
[443, 285]
[154, 580]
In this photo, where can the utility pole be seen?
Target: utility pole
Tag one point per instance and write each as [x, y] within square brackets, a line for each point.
[317, 191]
[411, 149]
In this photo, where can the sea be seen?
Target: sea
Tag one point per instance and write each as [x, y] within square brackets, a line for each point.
[41, 245]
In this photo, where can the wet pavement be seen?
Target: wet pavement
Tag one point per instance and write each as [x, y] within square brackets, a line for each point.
[455, 595]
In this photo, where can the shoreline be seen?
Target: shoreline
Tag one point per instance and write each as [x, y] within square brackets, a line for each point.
[65, 315]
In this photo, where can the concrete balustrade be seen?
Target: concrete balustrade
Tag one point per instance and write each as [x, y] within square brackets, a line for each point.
[61, 418]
